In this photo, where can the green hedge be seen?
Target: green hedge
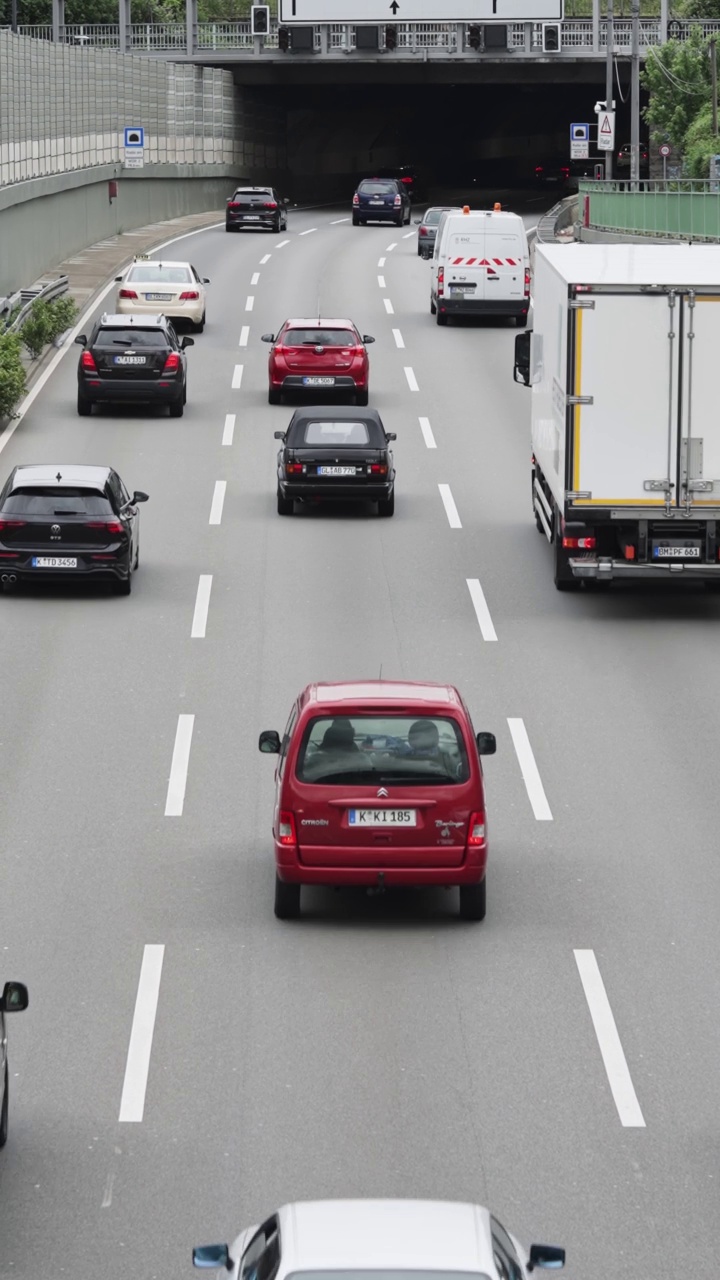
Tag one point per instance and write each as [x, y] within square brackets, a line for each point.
[46, 321]
[12, 374]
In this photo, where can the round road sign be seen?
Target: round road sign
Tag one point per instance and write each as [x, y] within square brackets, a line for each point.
[665, 150]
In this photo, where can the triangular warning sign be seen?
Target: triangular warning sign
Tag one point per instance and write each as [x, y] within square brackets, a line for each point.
[606, 127]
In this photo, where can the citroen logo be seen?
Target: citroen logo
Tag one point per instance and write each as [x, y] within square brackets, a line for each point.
[383, 792]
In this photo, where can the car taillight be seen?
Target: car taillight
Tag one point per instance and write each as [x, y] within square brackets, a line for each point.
[565, 171]
[397, 200]
[538, 168]
[527, 284]
[127, 293]
[441, 279]
[294, 468]
[356, 198]
[376, 469]
[286, 828]
[407, 181]
[12, 524]
[270, 204]
[579, 544]
[233, 204]
[112, 526]
[423, 231]
[172, 364]
[476, 829]
[190, 295]
[87, 361]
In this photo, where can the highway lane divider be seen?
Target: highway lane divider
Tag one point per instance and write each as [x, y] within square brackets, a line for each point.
[411, 379]
[237, 377]
[529, 770]
[427, 432]
[175, 799]
[249, 302]
[451, 510]
[137, 1067]
[244, 335]
[399, 343]
[255, 278]
[611, 1050]
[482, 613]
[202, 605]
[228, 429]
[218, 498]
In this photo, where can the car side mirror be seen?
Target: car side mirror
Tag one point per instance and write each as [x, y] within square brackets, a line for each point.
[118, 279]
[205, 280]
[286, 199]
[14, 997]
[417, 221]
[269, 742]
[390, 435]
[268, 337]
[187, 342]
[139, 496]
[279, 435]
[486, 744]
[212, 1255]
[368, 338]
[547, 1256]
[522, 358]
[81, 340]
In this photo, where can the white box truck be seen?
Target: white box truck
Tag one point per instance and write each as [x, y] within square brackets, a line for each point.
[623, 364]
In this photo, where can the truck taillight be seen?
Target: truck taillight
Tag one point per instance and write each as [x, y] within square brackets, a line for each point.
[476, 830]
[579, 544]
[441, 280]
[286, 828]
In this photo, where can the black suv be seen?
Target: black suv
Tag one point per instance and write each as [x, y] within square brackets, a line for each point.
[252, 207]
[383, 199]
[133, 358]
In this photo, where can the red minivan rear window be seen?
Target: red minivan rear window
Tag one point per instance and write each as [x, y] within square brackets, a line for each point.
[382, 751]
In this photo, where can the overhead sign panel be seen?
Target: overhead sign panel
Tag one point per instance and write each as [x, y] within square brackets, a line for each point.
[374, 12]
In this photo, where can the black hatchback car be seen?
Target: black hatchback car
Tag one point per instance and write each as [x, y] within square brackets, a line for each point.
[336, 454]
[14, 999]
[133, 359]
[68, 521]
[381, 199]
[253, 208]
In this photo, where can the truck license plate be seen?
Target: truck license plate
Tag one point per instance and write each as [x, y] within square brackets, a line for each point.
[668, 552]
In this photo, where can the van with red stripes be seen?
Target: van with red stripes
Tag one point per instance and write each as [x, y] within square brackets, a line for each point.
[480, 266]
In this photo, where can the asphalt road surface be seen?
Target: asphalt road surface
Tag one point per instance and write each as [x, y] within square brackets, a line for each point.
[188, 1062]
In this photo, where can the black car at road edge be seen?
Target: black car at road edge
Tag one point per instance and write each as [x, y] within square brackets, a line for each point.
[14, 999]
[132, 359]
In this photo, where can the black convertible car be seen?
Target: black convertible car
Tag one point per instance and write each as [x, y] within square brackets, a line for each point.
[337, 454]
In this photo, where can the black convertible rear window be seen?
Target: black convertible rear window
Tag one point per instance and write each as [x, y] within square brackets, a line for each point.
[336, 434]
[39, 501]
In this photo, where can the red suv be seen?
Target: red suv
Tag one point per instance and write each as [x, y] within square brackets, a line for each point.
[379, 783]
[318, 355]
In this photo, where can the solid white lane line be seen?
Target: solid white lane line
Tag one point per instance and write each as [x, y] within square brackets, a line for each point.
[132, 1102]
[337, 221]
[381, 281]
[178, 769]
[398, 338]
[481, 610]
[282, 244]
[408, 234]
[391, 247]
[249, 302]
[381, 262]
[229, 428]
[265, 259]
[389, 307]
[412, 380]
[255, 277]
[237, 377]
[308, 232]
[608, 1040]
[529, 770]
[202, 604]
[244, 335]
[451, 510]
[427, 431]
[216, 508]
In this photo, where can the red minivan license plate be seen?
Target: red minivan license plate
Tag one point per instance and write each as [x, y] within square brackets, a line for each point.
[382, 817]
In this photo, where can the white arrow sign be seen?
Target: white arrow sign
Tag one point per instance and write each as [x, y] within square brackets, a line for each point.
[379, 12]
[606, 131]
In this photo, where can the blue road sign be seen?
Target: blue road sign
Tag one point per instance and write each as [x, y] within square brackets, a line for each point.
[579, 132]
[134, 137]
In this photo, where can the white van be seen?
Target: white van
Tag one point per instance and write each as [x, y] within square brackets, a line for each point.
[481, 266]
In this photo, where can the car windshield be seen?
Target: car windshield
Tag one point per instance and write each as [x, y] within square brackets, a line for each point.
[368, 750]
[130, 338]
[318, 338]
[378, 188]
[156, 273]
[336, 434]
[39, 501]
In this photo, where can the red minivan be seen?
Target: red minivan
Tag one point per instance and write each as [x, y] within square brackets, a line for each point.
[379, 783]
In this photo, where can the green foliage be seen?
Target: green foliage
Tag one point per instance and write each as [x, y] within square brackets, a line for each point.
[700, 144]
[12, 374]
[697, 9]
[63, 314]
[46, 321]
[677, 78]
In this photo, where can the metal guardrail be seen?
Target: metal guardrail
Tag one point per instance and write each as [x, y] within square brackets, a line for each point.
[682, 208]
[26, 298]
[579, 38]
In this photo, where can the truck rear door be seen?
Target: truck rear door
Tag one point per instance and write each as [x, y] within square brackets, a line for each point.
[623, 386]
[699, 455]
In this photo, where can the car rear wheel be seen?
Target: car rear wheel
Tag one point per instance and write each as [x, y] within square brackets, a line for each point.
[285, 506]
[229, 228]
[177, 408]
[473, 901]
[84, 406]
[362, 397]
[200, 324]
[287, 900]
[386, 507]
[521, 322]
[5, 1109]
[355, 220]
[441, 317]
[274, 395]
[123, 586]
[400, 222]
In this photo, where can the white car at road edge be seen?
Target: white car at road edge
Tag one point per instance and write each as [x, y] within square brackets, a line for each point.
[172, 289]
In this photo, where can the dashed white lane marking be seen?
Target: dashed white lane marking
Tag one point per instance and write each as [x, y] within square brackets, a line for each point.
[244, 335]
[202, 604]
[132, 1102]
[427, 431]
[481, 610]
[107, 1198]
[265, 259]
[237, 377]
[249, 302]
[529, 770]
[381, 262]
[255, 277]
[307, 233]
[408, 234]
[216, 508]
[178, 769]
[412, 380]
[336, 222]
[451, 510]
[389, 307]
[391, 247]
[229, 428]
[381, 281]
[398, 338]
[611, 1049]
[282, 244]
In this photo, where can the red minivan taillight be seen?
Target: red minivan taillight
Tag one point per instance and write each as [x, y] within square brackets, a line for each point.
[286, 828]
[476, 830]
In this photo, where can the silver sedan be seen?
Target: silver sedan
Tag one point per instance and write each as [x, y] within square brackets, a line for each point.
[428, 226]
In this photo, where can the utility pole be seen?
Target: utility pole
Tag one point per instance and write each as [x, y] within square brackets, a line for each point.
[609, 95]
[713, 71]
[635, 96]
[13, 15]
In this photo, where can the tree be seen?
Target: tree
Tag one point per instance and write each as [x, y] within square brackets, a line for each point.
[701, 142]
[677, 78]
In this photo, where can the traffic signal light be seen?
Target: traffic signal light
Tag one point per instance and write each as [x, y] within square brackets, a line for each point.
[283, 39]
[474, 37]
[551, 37]
[260, 19]
[391, 38]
